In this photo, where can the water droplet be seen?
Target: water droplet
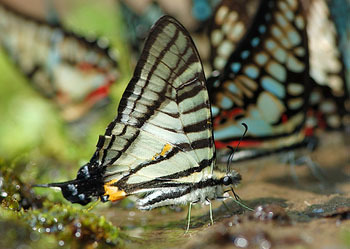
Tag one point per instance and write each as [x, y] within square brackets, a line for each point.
[241, 242]
[47, 230]
[265, 244]
[318, 210]
[61, 243]
[60, 226]
[132, 213]
[77, 234]
[4, 194]
[18, 187]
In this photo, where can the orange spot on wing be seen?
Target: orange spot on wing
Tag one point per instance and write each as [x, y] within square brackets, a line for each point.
[113, 193]
[164, 151]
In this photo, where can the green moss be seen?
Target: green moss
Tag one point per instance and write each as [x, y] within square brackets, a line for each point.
[345, 235]
[16, 233]
[35, 221]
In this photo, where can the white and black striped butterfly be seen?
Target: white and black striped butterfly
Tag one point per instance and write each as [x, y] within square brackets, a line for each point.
[76, 74]
[161, 143]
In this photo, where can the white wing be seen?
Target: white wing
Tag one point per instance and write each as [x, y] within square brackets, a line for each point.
[163, 131]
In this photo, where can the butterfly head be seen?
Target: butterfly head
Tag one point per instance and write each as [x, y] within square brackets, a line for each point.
[231, 178]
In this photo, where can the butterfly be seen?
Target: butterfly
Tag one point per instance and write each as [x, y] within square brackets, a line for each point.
[229, 24]
[339, 10]
[161, 144]
[329, 100]
[72, 71]
[265, 84]
[140, 16]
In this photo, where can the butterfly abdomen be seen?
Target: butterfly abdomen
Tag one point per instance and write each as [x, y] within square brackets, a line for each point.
[201, 191]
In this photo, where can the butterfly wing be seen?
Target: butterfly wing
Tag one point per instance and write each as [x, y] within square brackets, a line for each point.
[340, 10]
[75, 73]
[330, 103]
[162, 135]
[163, 129]
[264, 83]
[230, 23]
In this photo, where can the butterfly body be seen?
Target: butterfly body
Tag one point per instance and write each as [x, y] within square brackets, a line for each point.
[160, 146]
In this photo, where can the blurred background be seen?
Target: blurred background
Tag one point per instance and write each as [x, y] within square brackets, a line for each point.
[48, 129]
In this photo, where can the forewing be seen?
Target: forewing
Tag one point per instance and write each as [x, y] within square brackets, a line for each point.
[163, 129]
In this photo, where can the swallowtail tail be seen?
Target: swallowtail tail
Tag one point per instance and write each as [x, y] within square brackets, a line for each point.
[161, 143]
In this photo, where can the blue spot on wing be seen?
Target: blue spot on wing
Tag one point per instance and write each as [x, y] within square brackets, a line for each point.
[273, 87]
[235, 67]
[262, 29]
[233, 88]
[245, 54]
[226, 103]
[257, 127]
[201, 10]
[252, 72]
[255, 41]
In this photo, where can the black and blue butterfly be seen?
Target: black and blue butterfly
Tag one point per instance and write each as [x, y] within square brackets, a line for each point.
[264, 83]
[263, 79]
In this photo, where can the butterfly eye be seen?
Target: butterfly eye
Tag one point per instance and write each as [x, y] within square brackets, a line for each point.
[227, 181]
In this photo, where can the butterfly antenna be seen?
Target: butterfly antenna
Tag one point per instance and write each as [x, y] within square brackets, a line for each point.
[52, 185]
[233, 151]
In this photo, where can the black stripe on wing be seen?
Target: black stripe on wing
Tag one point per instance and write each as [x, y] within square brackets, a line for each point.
[145, 93]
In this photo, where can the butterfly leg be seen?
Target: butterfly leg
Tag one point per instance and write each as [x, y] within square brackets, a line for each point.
[225, 205]
[188, 217]
[210, 211]
[290, 159]
[314, 167]
[294, 173]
